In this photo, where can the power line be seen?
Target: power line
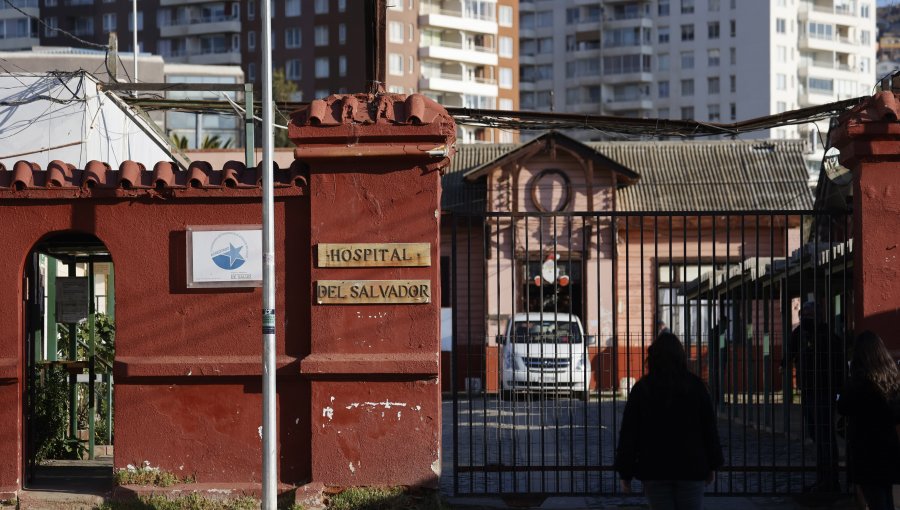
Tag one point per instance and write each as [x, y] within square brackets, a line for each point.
[543, 121]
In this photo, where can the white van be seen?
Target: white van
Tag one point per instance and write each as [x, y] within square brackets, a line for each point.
[545, 353]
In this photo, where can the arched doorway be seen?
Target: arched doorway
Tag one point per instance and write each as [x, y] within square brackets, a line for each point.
[69, 336]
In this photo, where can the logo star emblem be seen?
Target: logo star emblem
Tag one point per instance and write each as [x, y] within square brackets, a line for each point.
[233, 254]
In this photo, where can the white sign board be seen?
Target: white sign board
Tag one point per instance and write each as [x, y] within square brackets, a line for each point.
[224, 256]
[73, 298]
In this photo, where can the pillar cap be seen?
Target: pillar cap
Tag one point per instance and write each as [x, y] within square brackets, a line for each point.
[863, 131]
[380, 125]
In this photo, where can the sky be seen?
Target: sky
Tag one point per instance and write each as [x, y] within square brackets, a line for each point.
[880, 2]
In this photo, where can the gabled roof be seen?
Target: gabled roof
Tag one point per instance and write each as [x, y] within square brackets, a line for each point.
[547, 143]
[723, 175]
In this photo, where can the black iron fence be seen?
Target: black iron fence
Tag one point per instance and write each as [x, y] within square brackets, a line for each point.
[552, 315]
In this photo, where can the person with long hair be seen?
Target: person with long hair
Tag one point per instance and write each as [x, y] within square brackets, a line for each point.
[669, 440]
[871, 402]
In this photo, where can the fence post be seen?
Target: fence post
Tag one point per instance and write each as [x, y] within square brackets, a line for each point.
[869, 140]
[374, 178]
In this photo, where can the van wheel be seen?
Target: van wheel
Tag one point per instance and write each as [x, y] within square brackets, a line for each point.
[584, 396]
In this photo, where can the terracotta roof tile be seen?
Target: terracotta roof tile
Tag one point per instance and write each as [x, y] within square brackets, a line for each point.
[131, 175]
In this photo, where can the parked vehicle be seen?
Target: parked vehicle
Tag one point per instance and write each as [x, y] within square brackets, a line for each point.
[545, 353]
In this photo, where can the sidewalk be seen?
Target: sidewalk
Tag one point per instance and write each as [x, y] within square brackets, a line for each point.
[621, 503]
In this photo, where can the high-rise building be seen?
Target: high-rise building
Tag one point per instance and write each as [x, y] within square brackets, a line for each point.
[708, 60]
[460, 52]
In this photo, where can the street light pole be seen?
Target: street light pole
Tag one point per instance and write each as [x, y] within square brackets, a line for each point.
[270, 461]
[134, 32]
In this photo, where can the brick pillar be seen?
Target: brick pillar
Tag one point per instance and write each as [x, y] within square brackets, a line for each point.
[374, 167]
[869, 140]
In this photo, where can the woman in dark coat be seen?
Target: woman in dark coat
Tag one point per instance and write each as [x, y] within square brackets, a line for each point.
[669, 438]
[871, 403]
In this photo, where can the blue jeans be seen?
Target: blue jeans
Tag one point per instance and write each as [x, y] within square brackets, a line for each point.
[674, 494]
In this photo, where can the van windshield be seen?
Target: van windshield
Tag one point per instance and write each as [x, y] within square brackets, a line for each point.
[546, 332]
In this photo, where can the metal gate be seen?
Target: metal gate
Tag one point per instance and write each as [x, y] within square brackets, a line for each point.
[552, 314]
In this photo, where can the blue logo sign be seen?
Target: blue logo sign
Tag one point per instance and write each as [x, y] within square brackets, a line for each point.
[228, 251]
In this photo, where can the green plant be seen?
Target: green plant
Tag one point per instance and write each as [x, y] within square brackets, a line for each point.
[385, 498]
[51, 417]
[147, 475]
[180, 142]
[193, 501]
[215, 142]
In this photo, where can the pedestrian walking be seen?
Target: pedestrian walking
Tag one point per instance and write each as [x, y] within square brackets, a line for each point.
[820, 360]
[669, 440]
[871, 402]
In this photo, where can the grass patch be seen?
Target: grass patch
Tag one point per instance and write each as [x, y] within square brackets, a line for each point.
[193, 501]
[386, 498]
[146, 475]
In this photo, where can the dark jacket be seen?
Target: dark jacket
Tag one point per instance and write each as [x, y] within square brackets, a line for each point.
[819, 358]
[873, 449]
[668, 440]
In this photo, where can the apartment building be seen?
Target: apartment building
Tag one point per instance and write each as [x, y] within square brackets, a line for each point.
[709, 60]
[17, 32]
[460, 52]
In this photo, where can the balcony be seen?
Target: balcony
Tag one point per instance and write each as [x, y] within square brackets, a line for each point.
[628, 103]
[638, 21]
[184, 2]
[629, 77]
[815, 66]
[204, 56]
[455, 52]
[446, 82]
[643, 49]
[434, 16]
[201, 25]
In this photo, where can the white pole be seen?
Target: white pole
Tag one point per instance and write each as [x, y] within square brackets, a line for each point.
[134, 31]
[270, 461]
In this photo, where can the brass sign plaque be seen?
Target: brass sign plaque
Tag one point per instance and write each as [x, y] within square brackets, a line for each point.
[375, 255]
[345, 292]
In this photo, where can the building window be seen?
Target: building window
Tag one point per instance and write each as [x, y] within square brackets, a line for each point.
[687, 6]
[733, 56]
[506, 104]
[292, 38]
[662, 62]
[780, 107]
[395, 32]
[505, 15]
[663, 33]
[712, 30]
[663, 8]
[51, 24]
[109, 22]
[49, 3]
[781, 52]
[323, 67]
[733, 24]
[292, 69]
[864, 11]
[687, 87]
[251, 9]
[712, 57]
[733, 81]
[781, 25]
[687, 32]
[321, 94]
[865, 37]
[714, 5]
[321, 35]
[251, 71]
[342, 65]
[410, 65]
[662, 113]
[663, 89]
[342, 5]
[505, 48]
[342, 34]
[140, 21]
[781, 81]
[733, 108]
[714, 114]
[506, 78]
[251, 40]
[321, 6]
[395, 64]
[687, 59]
[292, 8]
[681, 316]
[712, 85]
[687, 113]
